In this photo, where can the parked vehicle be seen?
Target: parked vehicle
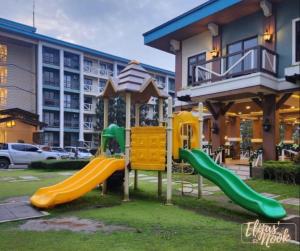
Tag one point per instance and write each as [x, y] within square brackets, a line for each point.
[13, 154]
[78, 152]
[62, 153]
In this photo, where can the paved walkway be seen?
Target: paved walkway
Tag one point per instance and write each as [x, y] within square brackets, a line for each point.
[18, 210]
[192, 188]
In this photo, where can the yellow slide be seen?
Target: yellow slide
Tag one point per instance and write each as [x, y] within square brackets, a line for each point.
[94, 173]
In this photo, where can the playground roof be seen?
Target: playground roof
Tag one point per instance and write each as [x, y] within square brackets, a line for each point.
[136, 80]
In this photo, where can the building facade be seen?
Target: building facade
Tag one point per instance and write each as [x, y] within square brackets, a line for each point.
[242, 59]
[59, 81]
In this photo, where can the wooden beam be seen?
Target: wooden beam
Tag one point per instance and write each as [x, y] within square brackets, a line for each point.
[212, 110]
[258, 102]
[282, 100]
[225, 108]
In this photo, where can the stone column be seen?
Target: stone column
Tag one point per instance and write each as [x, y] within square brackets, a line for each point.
[270, 127]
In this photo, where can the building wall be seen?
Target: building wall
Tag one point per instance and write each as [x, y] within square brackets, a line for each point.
[242, 28]
[21, 73]
[20, 131]
[286, 11]
[192, 46]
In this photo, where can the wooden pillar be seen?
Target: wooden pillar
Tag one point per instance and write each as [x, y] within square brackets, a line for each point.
[137, 123]
[288, 133]
[105, 125]
[127, 145]
[270, 120]
[207, 130]
[257, 133]
[169, 151]
[218, 132]
[178, 70]
[160, 118]
[234, 135]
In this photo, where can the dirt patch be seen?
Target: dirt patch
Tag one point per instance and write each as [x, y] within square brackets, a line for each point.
[72, 224]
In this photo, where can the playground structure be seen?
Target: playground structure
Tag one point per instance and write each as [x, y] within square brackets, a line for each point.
[153, 148]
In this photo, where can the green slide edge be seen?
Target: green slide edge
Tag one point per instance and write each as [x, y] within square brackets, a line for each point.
[236, 189]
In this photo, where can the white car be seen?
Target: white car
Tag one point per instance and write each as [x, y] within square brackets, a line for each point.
[62, 153]
[81, 152]
[13, 154]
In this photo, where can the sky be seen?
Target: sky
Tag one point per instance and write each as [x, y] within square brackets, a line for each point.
[112, 26]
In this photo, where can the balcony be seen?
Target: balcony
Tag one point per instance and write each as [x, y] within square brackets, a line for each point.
[97, 71]
[71, 124]
[92, 89]
[256, 59]
[71, 105]
[53, 83]
[51, 102]
[53, 123]
[50, 59]
[71, 85]
[88, 126]
[88, 107]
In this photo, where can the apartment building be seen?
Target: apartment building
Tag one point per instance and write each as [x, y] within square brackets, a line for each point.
[61, 82]
[241, 58]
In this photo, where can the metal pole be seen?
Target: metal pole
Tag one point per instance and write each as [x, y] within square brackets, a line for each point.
[137, 123]
[169, 152]
[160, 119]
[105, 125]
[127, 146]
[200, 179]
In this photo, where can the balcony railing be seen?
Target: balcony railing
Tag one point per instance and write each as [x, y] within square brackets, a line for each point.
[51, 102]
[88, 106]
[256, 59]
[71, 85]
[53, 124]
[93, 89]
[97, 71]
[71, 124]
[3, 79]
[3, 58]
[54, 82]
[52, 60]
[71, 105]
[88, 125]
[90, 144]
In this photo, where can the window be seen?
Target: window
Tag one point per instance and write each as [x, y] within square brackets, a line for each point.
[88, 65]
[18, 147]
[51, 119]
[296, 40]
[71, 101]
[67, 101]
[237, 50]
[31, 148]
[161, 81]
[50, 56]
[3, 146]
[106, 69]
[71, 81]
[51, 98]
[120, 68]
[102, 83]
[3, 53]
[171, 84]
[71, 60]
[192, 63]
[51, 77]
[3, 75]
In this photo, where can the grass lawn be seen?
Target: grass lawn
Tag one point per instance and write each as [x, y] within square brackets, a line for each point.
[190, 224]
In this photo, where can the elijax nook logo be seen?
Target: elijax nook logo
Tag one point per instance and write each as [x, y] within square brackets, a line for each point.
[266, 233]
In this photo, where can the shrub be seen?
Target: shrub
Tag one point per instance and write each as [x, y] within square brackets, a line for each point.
[282, 171]
[58, 164]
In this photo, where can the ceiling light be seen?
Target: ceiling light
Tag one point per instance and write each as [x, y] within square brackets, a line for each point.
[248, 107]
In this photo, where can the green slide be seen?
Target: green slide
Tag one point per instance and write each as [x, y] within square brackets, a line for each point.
[232, 185]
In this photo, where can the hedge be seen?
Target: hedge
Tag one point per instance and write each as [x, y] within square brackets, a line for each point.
[282, 171]
[59, 164]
